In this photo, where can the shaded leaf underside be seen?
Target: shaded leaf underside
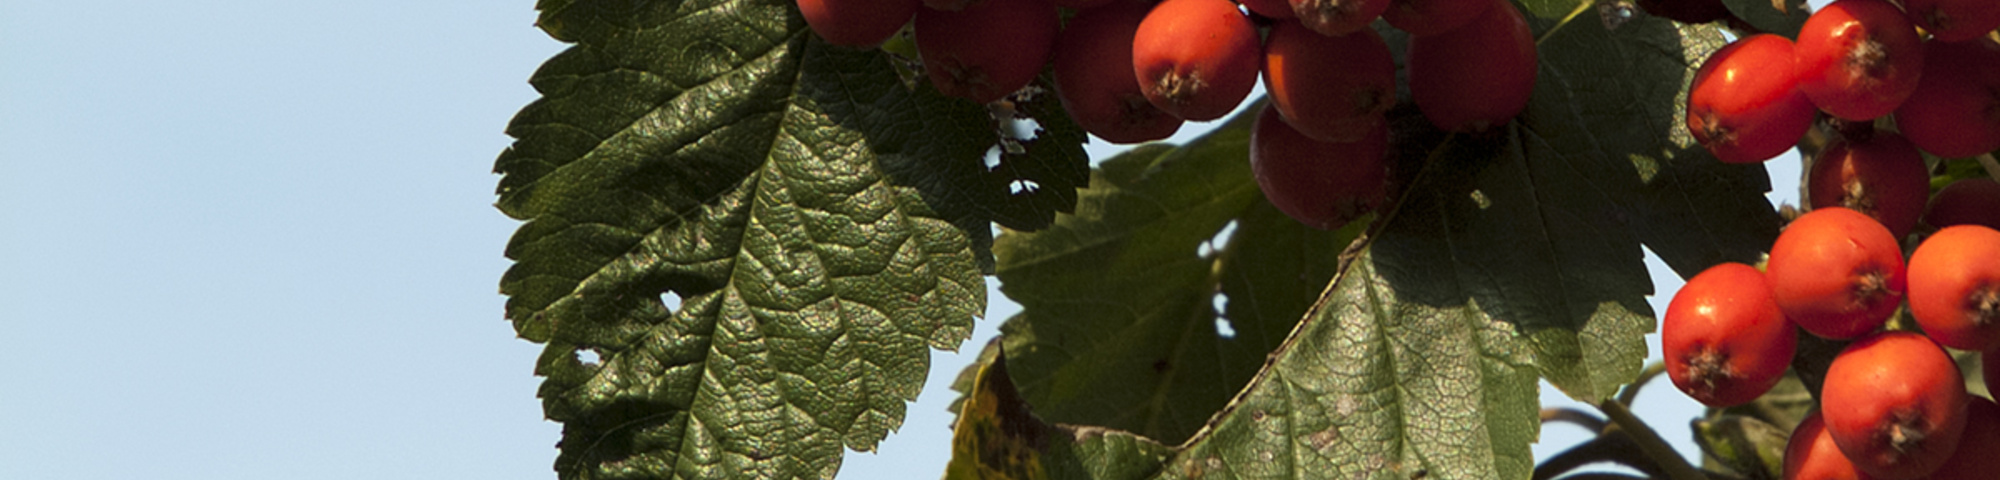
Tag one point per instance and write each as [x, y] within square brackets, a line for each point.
[1119, 325]
[1511, 258]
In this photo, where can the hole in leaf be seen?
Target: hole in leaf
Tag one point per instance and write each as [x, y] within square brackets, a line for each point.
[1215, 243]
[1615, 14]
[588, 356]
[993, 157]
[1023, 186]
[1223, 328]
[1022, 128]
[670, 299]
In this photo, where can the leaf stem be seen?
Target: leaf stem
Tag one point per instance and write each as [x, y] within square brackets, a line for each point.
[1676, 466]
[1573, 13]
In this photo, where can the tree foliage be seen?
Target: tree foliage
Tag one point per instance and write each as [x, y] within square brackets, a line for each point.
[740, 243]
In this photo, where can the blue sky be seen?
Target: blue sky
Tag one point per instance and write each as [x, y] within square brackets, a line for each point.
[255, 240]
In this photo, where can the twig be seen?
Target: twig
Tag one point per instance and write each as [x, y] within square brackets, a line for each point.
[1631, 392]
[1604, 476]
[1579, 417]
[1615, 447]
[1676, 466]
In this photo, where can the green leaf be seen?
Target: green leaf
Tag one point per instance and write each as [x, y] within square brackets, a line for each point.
[998, 438]
[1748, 446]
[1120, 301]
[822, 224]
[1781, 17]
[1512, 256]
[1379, 385]
[1611, 105]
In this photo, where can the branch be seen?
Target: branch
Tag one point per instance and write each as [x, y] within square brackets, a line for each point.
[1676, 466]
[1604, 476]
[1614, 447]
[1646, 376]
[1579, 417]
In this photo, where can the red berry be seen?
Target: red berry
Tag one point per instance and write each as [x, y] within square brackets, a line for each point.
[1955, 287]
[1954, 20]
[1978, 454]
[1331, 88]
[1432, 17]
[987, 50]
[1883, 176]
[857, 23]
[1196, 59]
[1955, 112]
[1811, 455]
[1836, 273]
[1895, 404]
[1859, 59]
[1320, 184]
[1338, 17]
[1094, 82]
[1478, 76]
[1724, 340]
[1745, 105]
[1972, 201]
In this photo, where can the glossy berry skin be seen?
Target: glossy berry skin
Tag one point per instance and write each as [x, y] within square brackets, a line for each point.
[1478, 76]
[1320, 184]
[1094, 82]
[1859, 59]
[1338, 17]
[1882, 176]
[1811, 454]
[857, 23]
[1724, 340]
[1196, 59]
[1331, 88]
[1978, 454]
[1432, 17]
[1895, 404]
[1972, 201]
[1954, 20]
[1836, 273]
[987, 50]
[1955, 112]
[1955, 287]
[1744, 105]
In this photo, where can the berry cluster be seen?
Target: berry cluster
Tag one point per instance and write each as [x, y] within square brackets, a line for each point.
[1893, 403]
[1857, 61]
[1132, 71]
